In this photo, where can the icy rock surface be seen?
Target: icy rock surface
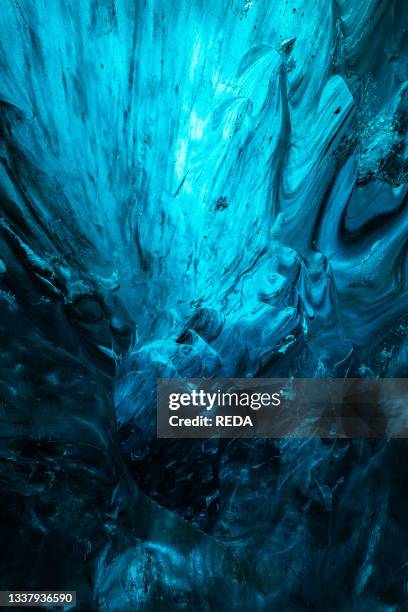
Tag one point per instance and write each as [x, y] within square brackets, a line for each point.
[201, 189]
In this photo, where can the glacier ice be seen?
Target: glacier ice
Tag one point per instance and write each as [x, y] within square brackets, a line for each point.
[207, 189]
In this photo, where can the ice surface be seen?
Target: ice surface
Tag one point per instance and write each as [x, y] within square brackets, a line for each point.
[199, 189]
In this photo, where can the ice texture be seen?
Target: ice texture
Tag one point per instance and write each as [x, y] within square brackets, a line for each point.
[199, 189]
